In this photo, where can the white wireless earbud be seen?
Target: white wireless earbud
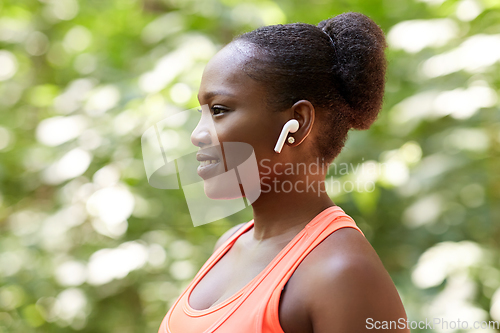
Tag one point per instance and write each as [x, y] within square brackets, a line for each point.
[291, 126]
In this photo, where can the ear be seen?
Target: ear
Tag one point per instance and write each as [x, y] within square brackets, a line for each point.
[304, 113]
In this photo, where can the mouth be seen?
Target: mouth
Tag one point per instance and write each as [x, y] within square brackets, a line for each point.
[209, 165]
[209, 162]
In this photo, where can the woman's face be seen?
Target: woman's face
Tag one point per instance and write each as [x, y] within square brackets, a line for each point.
[234, 111]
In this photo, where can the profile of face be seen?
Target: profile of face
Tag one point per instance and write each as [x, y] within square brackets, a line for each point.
[234, 110]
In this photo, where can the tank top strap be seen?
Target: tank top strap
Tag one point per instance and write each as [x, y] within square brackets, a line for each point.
[177, 312]
[316, 232]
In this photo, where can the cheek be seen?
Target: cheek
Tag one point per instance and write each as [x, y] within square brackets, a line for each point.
[238, 150]
[260, 135]
[260, 131]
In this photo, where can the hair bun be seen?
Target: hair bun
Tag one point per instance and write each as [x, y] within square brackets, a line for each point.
[361, 64]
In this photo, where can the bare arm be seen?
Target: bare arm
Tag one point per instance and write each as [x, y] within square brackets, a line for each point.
[352, 291]
[356, 297]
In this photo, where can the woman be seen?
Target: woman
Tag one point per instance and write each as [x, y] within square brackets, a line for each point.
[301, 265]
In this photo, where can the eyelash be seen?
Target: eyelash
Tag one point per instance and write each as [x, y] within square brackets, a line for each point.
[217, 108]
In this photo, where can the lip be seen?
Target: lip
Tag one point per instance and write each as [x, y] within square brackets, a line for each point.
[206, 156]
[210, 170]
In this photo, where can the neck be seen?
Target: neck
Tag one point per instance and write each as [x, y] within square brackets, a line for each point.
[278, 213]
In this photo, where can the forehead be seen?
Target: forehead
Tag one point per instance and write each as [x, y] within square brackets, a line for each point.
[224, 73]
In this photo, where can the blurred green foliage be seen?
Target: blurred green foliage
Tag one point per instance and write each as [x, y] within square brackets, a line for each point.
[86, 244]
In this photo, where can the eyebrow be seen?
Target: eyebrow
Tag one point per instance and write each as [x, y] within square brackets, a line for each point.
[211, 94]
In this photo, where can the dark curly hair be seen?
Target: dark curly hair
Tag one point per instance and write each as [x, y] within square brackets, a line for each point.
[338, 66]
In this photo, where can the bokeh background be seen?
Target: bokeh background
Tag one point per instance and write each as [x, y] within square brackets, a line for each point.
[87, 245]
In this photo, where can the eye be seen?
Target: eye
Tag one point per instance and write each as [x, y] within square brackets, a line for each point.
[217, 110]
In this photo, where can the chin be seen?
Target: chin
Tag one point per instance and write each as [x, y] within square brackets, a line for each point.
[217, 190]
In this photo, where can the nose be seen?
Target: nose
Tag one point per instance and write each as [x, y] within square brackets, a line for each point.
[201, 134]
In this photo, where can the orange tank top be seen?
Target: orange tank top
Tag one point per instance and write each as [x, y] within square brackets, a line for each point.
[253, 309]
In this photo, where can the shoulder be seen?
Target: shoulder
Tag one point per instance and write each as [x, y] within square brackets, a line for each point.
[343, 284]
[227, 235]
